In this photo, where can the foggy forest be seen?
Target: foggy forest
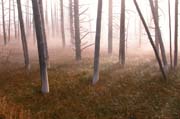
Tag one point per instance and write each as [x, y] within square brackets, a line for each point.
[89, 59]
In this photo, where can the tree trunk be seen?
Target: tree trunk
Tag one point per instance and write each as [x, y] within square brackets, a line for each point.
[122, 34]
[151, 40]
[110, 28]
[14, 12]
[4, 24]
[62, 24]
[97, 43]
[176, 35]
[23, 35]
[77, 30]
[9, 29]
[156, 29]
[41, 47]
[44, 30]
[170, 33]
[71, 21]
[163, 53]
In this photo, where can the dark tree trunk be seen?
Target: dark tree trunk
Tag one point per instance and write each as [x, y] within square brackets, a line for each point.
[110, 28]
[122, 34]
[77, 30]
[176, 35]
[4, 24]
[71, 21]
[163, 53]
[97, 43]
[41, 47]
[151, 40]
[44, 30]
[170, 33]
[62, 24]
[23, 35]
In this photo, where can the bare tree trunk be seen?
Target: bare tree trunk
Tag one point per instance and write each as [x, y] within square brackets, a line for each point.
[151, 40]
[77, 30]
[9, 29]
[44, 30]
[156, 29]
[4, 24]
[122, 34]
[23, 35]
[140, 35]
[71, 21]
[163, 53]
[97, 43]
[176, 35]
[62, 24]
[170, 33]
[41, 47]
[110, 28]
[14, 12]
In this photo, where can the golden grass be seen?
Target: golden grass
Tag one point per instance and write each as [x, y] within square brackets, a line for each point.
[136, 91]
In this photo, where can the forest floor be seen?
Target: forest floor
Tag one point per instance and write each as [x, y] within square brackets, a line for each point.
[136, 91]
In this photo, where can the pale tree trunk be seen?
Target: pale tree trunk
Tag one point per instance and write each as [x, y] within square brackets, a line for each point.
[23, 35]
[71, 21]
[44, 31]
[97, 43]
[62, 24]
[9, 29]
[156, 28]
[163, 53]
[170, 33]
[151, 40]
[110, 28]
[122, 34]
[14, 12]
[4, 24]
[77, 30]
[176, 35]
[41, 47]
[140, 34]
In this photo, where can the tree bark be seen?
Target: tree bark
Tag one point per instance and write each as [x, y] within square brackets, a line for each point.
[110, 28]
[151, 40]
[14, 12]
[71, 21]
[122, 34]
[163, 53]
[176, 35]
[156, 27]
[41, 47]
[62, 24]
[77, 30]
[4, 24]
[9, 29]
[170, 33]
[97, 43]
[23, 35]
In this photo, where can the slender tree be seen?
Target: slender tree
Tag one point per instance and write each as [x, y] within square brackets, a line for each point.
[170, 33]
[110, 28]
[163, 52]
[41, 47]
[4, 24]
[151, 40]
[71, 21]
[14, 17]
[9, 29]
[23, 35]
[156, 27]
[176, 35]
[77, 30]
[97, 43]
[122, 34]
[44, 30]
[62, 24]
